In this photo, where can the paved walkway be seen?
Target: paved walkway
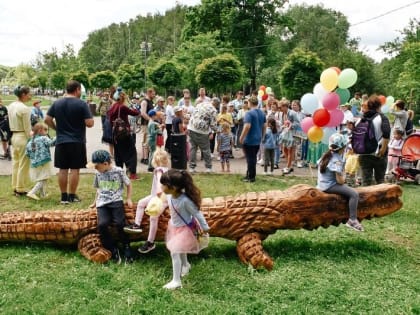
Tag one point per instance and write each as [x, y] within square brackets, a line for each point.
[237, 165]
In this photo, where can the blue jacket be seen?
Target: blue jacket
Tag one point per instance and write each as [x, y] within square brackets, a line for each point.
[38, 150]
[270, 139]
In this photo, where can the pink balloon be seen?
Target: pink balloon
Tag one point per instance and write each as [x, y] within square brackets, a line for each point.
[336, 117]
[306, 123]
[331, 101]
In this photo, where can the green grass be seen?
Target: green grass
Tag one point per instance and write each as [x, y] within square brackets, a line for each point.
[326, 271]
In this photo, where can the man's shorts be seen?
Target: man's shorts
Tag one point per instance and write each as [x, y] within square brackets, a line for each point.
[70, 155]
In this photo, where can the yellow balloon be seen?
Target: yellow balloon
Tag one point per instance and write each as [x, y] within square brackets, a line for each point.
[315, 134]
[329, 79]
[260, 93]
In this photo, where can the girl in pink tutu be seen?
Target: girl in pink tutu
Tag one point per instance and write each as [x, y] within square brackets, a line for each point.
[184, 202]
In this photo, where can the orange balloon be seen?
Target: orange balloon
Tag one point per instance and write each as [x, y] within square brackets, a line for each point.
[382, 99]
[315, 134]
[262, 87]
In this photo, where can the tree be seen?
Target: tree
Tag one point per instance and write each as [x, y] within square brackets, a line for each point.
[166, 75]
[219, 73]
[300, 73]
[130, 77]
[245, 23]
[82, 77]
[58, 80]
[103, 79]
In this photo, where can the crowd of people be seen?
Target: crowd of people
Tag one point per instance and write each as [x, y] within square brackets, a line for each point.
[264, 131]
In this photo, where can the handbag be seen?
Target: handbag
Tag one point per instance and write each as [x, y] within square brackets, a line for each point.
[201, 237]
[159, 140]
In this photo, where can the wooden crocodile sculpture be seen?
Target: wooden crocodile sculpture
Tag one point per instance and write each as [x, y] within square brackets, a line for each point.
[247, 218]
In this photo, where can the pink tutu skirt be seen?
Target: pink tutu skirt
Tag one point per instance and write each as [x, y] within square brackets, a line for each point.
[181, 240]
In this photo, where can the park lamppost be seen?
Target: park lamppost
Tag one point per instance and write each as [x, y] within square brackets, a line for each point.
[145, 47]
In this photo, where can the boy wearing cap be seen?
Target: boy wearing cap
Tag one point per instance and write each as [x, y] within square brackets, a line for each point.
[109, 183]
[36, 113]
[153, 129]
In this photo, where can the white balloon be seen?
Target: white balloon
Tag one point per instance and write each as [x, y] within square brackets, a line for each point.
[319, 91]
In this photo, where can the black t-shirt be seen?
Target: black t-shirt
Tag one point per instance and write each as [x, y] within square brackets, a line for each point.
[70, 114]
[175, 124]
[3, 113]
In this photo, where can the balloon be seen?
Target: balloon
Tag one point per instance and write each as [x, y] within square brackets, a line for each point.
[347, 78]
[83, 90]
[390, 100]
[336, 69]
[315, 134]
[321, 117]
[385, 109]
[262, 88]
[329, 79]
[319, 91]
[264, 97]
[328, 132]
[382, 99]
[331, 101]
[336, 117]
[306, 123]
[261, 93]
[309, 103]
[268, 90]
[344, 95]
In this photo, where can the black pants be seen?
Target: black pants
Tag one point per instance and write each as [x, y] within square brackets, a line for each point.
[168, 138]
[251, 152]
[125, 153]
[112, 213]
[372, 166]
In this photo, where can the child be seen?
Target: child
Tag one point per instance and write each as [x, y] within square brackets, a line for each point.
[36, 113]
[153, 129]
[38, 151]
[270, 144]
[224, 146]
[109, 183]
[4, 130]
[395, 147]
[352, 159]
[331, 178]
[160, 163]
[184, 204]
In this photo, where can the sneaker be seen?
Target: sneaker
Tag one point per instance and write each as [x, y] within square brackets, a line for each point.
[355, 225]
[116, 258]
[260, 161]
[269, 173]
[147, 247]
[32, 196]
[150, 169]
[209, 170]
[265, 173]
[134, 177]
[128, 256]
[299, 164]
[192, 170]
[134, 228]
[74, 198]
[276, 166]
[172, 285]
[185, 270]
[248, 180]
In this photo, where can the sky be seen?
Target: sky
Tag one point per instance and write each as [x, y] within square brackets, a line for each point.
[30, 27]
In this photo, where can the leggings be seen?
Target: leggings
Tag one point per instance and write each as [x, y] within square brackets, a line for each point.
[348, 192]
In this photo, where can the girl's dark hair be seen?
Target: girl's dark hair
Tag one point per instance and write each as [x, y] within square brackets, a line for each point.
[182, 180]
[325, 159]
[272, 124]
[21, 90]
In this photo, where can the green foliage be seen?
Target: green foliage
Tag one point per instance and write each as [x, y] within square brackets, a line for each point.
[102, 79]
[83, 77]
[58, 80]
[300, 73]
[166, 75]
[130, 77]
[325, 271]
[219, 73]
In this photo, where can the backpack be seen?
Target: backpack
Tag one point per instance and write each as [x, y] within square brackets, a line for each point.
[363, 139]
[120, 129]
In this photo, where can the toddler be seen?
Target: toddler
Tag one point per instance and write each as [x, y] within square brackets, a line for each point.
[38, 151]
[270, 144]
[395, 147]
[224, 146]
[160, 162]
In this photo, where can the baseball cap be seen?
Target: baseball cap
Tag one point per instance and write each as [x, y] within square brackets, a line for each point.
[36, 102]
[337, 141]
[177, 109]
[151, 113]
[98, 157]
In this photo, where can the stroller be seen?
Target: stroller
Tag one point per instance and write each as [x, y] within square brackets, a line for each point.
[5, 135]
[409, 161]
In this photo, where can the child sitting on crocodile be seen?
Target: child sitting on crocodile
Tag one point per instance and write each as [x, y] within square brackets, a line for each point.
[109, 183]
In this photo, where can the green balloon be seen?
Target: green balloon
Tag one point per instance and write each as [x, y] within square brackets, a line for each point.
[344, 95]
[347, 78]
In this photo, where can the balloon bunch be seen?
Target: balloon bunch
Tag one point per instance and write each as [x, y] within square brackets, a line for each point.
[263, 92]
[386, 102]
[323, 103]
